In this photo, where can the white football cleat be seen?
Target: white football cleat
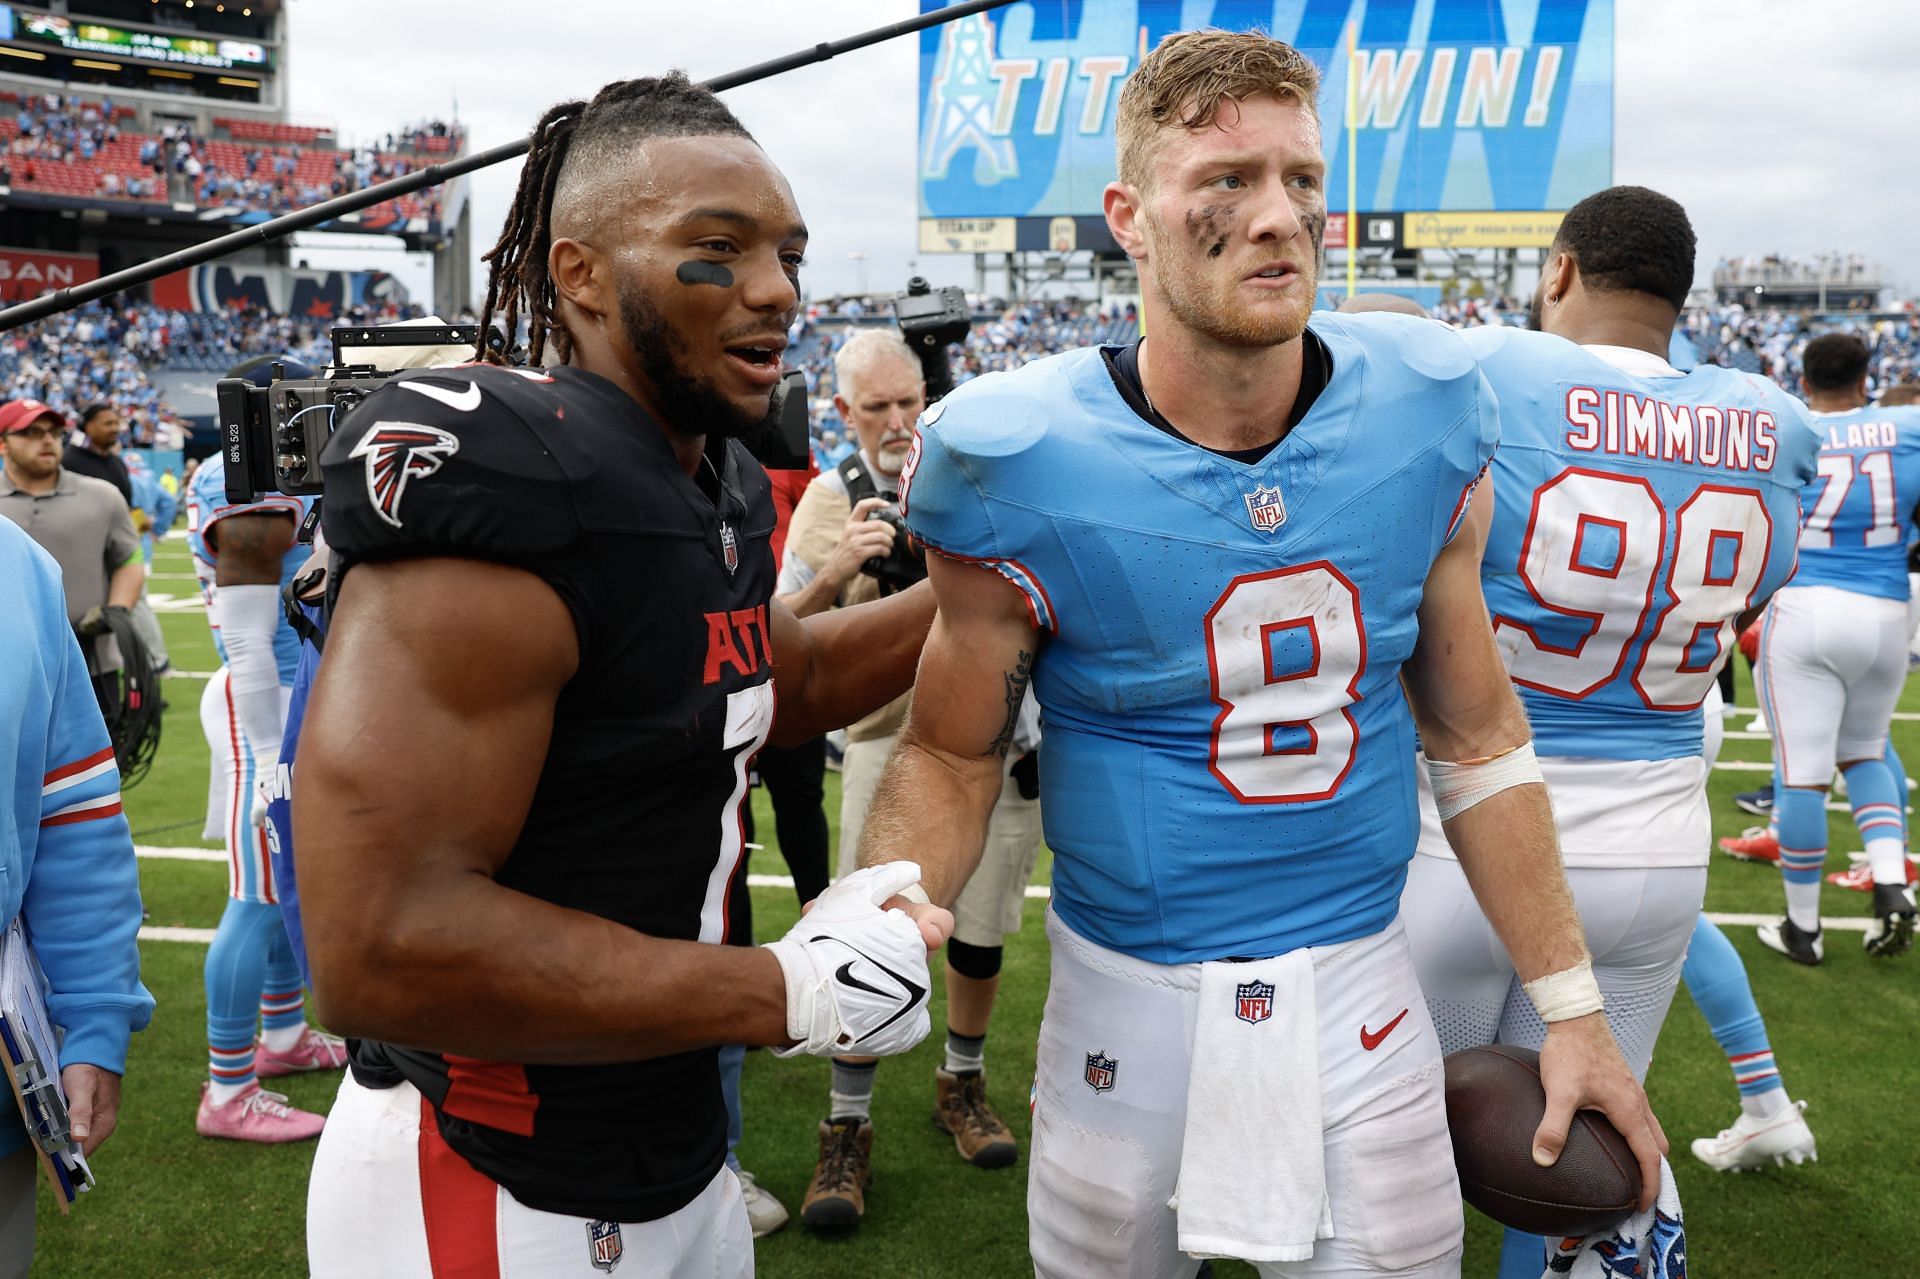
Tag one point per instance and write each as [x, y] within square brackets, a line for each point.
[1783, 1137]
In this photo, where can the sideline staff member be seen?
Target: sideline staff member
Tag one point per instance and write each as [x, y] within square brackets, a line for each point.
[83, 522]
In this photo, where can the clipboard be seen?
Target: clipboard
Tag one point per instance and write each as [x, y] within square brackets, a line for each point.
[30, 1052]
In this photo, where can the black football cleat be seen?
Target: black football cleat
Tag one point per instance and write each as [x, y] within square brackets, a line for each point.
[1790, 940]
[1757, 802]
[1890, 931]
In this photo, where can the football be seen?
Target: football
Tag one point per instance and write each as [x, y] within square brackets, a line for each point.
[1494, 1103]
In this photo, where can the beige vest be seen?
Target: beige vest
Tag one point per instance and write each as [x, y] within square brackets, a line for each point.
[811, 536]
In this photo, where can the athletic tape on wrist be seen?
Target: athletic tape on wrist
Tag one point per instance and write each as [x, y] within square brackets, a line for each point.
[915, 893]
[1459, 786]
[1569, 993]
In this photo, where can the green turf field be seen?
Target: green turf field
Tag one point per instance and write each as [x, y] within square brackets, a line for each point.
[171, 1203]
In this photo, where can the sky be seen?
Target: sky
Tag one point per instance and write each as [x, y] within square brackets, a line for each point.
[1782, 126]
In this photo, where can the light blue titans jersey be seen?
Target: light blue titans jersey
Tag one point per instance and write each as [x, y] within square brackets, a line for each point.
[207, 505]
[1635, 517]
[1229, 755]
[1859, 510]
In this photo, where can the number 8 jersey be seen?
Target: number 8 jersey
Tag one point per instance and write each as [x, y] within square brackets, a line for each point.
[1638, 511]
[1229, 755]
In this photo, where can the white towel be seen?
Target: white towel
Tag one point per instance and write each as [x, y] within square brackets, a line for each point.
[1253, 1178]
[1651, 1244]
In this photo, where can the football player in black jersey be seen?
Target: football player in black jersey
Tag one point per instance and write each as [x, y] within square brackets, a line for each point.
[552, 654]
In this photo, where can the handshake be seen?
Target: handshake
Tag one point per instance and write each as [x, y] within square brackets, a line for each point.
[857, 977]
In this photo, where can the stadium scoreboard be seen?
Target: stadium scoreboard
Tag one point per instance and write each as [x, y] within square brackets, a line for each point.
[84, 36]
[1476, 123]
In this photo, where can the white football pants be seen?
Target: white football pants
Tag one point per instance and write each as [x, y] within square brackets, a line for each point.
[1106, 1160]
[1832, 664]
[390, 1198]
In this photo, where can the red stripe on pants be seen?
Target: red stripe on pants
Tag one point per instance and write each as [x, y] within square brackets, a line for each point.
[459, 1204]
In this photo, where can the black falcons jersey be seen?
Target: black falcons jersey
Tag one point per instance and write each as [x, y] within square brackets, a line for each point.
[636, 814]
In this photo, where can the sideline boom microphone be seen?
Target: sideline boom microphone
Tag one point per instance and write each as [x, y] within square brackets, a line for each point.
[327, 210]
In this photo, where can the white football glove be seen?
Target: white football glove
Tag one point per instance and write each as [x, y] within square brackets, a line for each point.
[265, 776]
[857, 978]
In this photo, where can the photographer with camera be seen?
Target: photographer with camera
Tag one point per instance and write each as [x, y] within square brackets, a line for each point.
[845, 547]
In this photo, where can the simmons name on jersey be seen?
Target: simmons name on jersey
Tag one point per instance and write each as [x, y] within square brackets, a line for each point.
[1637, 512]
[636, 814]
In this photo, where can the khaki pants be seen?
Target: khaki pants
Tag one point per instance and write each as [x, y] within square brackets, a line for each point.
[989, 906]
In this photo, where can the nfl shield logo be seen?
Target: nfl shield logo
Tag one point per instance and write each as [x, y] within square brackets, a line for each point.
[1253, 1001]
[603, 1245]
[1100, 1072]
[729, 548]
[1266, 508]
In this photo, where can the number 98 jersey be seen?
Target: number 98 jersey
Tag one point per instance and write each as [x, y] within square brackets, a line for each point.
[1229, 754]
[1637, 512]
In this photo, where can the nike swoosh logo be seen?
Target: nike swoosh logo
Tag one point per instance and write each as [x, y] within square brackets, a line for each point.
[461, 401]
[1370, 1039]
[916, 993]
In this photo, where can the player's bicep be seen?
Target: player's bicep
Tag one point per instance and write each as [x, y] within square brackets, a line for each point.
[1458, 687]
[977, 664]
[425, 734]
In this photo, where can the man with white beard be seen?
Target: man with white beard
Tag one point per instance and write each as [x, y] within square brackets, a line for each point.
[879, 392]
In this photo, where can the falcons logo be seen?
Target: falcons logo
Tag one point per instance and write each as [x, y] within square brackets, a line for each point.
[397, 453]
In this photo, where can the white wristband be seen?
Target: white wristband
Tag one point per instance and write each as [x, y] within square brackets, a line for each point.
[1570, 993]
[1459, 786]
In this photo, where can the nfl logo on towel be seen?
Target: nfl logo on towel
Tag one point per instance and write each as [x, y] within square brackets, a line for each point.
[1266, 508]
[1253, 1001]
[1100, 1071]
[730, 547]
[603, 1245]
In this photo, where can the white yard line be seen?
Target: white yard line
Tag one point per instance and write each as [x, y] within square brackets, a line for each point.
[190, 674]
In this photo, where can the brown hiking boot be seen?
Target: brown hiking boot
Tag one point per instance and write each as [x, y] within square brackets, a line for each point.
[837, 1199]
[982, 1137]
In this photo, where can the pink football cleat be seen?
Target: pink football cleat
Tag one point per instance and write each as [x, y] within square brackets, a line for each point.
[315, 1050]
[256, 1115]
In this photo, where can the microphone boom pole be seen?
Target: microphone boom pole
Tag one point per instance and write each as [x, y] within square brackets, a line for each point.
[327, 210]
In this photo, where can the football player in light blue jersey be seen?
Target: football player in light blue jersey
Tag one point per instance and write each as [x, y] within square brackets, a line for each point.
[1639, 511]
[243, 554]
[1833, 650]
[1236, 562]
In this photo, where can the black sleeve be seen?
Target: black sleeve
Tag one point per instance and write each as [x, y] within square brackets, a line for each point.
[441, 462]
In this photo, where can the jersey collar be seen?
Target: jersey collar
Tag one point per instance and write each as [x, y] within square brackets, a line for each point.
[1632, 361]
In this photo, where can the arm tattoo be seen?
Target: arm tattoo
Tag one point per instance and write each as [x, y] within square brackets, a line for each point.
[1016, 694]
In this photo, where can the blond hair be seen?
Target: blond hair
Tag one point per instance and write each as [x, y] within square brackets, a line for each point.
[1185, 79]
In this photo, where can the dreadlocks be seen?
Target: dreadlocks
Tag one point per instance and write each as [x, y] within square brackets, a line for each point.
[580, 137]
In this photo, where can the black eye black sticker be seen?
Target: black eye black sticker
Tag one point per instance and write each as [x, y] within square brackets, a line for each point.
[704, 273]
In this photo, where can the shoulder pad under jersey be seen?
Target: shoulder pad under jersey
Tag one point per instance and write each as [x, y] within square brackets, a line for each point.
[450, 462]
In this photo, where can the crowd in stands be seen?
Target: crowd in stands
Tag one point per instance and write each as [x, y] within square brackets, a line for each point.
[92, 355]
[107, 352]
[66, 146]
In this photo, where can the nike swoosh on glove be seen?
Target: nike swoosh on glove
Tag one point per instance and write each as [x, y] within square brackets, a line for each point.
[857, 978]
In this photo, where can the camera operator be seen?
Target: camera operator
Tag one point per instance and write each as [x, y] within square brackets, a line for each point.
[841, 550]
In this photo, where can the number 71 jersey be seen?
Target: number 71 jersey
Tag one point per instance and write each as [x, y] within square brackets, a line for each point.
[1229, 754]
[1636, 514]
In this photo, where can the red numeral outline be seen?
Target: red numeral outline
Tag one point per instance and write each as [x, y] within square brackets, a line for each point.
[1266, 658]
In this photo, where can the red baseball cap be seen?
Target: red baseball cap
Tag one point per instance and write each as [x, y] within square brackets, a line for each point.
[18, 414]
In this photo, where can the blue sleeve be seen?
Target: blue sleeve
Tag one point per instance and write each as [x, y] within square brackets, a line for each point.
[82, 900]
[945, 483]
[165, 507]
